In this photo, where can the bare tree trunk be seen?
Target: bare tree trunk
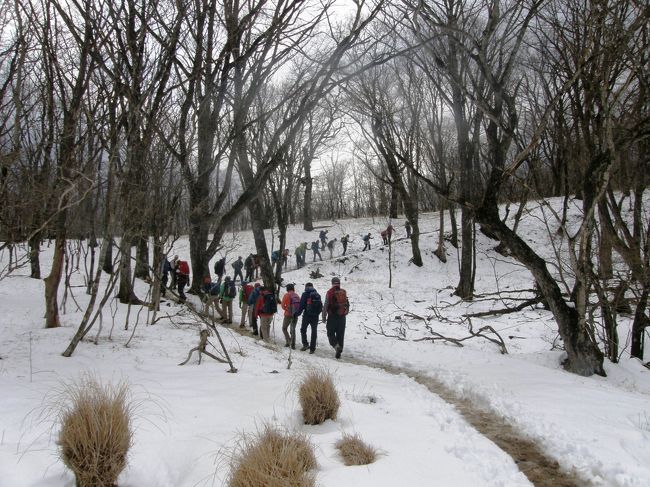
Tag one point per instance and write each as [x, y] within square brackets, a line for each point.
[307, 219]
[34, 256]
[142, 257]
[53, 280]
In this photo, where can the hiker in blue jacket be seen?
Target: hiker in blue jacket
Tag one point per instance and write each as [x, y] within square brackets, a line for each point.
[252, 299]
[311, 306]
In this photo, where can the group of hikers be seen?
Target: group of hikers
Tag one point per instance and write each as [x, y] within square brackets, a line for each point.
[323, 243]
[259, 305]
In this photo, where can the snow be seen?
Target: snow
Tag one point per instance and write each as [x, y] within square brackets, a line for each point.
[188, 418]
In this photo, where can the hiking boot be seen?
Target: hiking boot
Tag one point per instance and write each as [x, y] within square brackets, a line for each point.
[286, 345]
[242, 326]
[293, 346]
[255, 332]
[305, 347]
[312, 351]
[338, 349]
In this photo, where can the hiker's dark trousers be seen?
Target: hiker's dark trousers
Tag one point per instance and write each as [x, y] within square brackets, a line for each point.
[335, 329]
[309, 320]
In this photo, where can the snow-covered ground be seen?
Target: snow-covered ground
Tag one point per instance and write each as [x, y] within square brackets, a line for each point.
[189, 418]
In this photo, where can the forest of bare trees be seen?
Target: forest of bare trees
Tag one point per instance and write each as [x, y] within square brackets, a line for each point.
[124, 125]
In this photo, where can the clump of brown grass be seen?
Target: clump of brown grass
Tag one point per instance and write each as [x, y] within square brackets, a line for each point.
[273, 458]
[318, 397]
[355, 451]
[96, 433]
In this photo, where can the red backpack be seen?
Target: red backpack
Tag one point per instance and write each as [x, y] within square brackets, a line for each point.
[183, 267]
[340, 303]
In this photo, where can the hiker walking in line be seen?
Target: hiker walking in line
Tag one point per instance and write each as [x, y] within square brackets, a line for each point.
[173, 265]
[165, 270]
[330, 247]
[311, 306]
[182, 278]
[249, 265]
[300, 256]
[366, 242]
[335, 309]
[387, 234]
[407, 226]
[244, 293]
[291, 307]
[252, 301]
[275, 258]
[323, 239]
[315, 250]
[220, 269]
[237, 265]
[211, 298]
[227, 293]
[285, 258]
[266, 307]
[344, 241]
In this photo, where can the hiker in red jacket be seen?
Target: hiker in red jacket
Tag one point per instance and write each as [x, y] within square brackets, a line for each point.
[266, 307]
[182, 278]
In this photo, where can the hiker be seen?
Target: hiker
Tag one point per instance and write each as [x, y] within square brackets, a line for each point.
[266, 307]
[252, 300]
[311, 306]
[407, 226]
[182, 278]
[227, 293]
[290, 306]
[256, 263]
[285, 258]
[314, 249]
[387, 234]
[237, 265]
[173, 264]
[323, 239]
[330, 247]
[301, 254]
[220, 269]
[166, 269]
[211, 298]
[335, 309]
[366, 242]
[275, 257]
[244, 293]
[249, 265]
[344, 241]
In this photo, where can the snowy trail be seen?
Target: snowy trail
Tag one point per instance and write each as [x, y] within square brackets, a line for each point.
[540, 469]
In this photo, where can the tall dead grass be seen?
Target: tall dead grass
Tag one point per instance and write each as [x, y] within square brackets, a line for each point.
[96, 432]
[318, 397]
[355, 451]
[273, 458]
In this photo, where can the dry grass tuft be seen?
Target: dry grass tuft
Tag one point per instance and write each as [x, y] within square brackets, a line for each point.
[95, 434]
[355, 451]
[318, 397]
[273, 458]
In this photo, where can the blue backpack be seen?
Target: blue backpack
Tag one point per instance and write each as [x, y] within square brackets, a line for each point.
[314, 304]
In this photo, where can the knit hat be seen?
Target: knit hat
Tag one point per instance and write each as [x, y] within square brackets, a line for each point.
[336, 280]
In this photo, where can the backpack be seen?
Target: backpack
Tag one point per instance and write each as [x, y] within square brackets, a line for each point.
[270, 304]
[314, 304]
[231, 291]
[340, 304]
[183, 267]
[366, 238]
[294, 304]
[214, 289]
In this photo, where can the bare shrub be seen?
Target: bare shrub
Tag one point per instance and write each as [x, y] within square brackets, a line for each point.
[96, 433]
[318, 397]
[355, 451]
[273, 458]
